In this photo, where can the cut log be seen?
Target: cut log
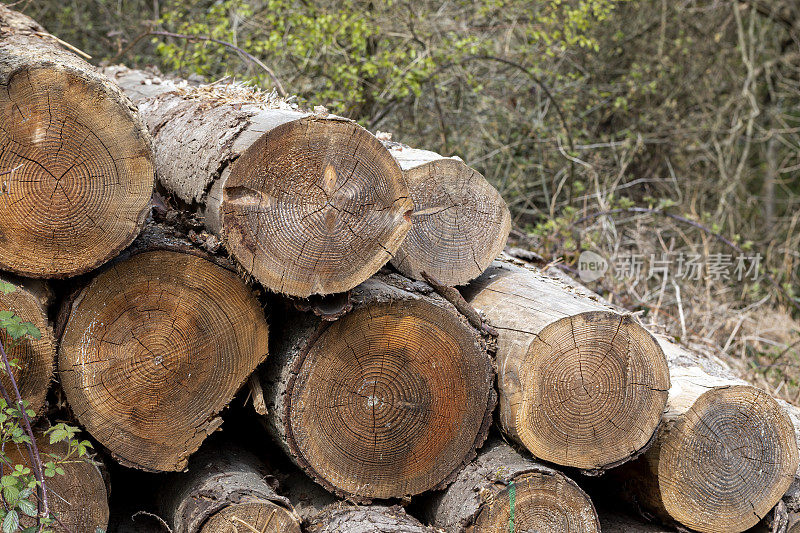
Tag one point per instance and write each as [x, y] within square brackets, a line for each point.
[154, 347]
[78, 498]
[580, 385]
[725, 455]
[35, 358]
[307, 204]
[344, 518]
[460, 223]
[225, 491]
[389, 401]
[77, 159]
[504, 491]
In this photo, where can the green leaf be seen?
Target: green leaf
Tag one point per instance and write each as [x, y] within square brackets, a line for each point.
[27, 507]
[6, 287]
[8, 481]
[11, 522]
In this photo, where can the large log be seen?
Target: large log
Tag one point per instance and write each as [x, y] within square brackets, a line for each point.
[725, 455]
[580, 385]
[80, 159]
[155, 346]
[345, 518]
[460, 223]
[388, 401]
[35, 358]
[307, 203]
[78, 498]
[503, 491]
[225, 491]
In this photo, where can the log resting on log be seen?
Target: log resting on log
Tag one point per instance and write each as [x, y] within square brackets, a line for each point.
[502, 490]
[344, 518]
[225, 491]
[580, 385]
[35, 357]
[307, 204]
[724, 456]
[154, 347]
[78, 498]
[388, 401]
[80, 159]
[460, 223]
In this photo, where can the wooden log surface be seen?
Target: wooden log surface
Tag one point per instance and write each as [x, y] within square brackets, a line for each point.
[78, 498]
[155, 346]
[307, 203]
[460, 223]
[503, 490]
[225, 490]
[78, 158]
[345, 518]
[388, 401]
[35, 358]
[580, 384]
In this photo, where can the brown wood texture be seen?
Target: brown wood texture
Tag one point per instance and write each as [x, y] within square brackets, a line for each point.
[152, 349]
[80, 159]
[388, 401]
[344, 518]
[308, 204]
[580, 384]
[460, 223]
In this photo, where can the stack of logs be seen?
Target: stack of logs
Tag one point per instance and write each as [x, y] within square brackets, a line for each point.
[374, 375]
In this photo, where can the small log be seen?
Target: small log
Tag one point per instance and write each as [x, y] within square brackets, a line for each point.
[504, 491]
[76, 158]
[78, 498]
[724, 457]
[35, 357]
[154, 347]
[225, 491]
[580, 384]
[345, 518]
[615, 522]
[307, 203]
[460, 223]
[388, 401]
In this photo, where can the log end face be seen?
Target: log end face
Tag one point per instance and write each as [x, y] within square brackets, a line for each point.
[154, 349]
[727, 461]
[460, 223]
[254, 515]
[538, 501]
[315, 206]
[593, 389]
[390, 401]
[81, 171]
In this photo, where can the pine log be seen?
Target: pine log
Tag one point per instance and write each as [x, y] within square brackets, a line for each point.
[307, 203]
[225, 491]
[344, 518]
[580, 385]
[723, 458]
[77, 158]
[35, 358]
[78, 498]
[460, 223]
[154, 347]
[503, 490]
[388, 401]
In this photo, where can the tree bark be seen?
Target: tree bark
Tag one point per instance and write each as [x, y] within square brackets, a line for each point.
[580, 385]
[460, 223]
[307, 203]
[388, 401]
[344, 518]
[78, 499]
[503, 491]
[225, 491]
[155, 346]
[725, 455]
[78, 160]
[35, 357]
